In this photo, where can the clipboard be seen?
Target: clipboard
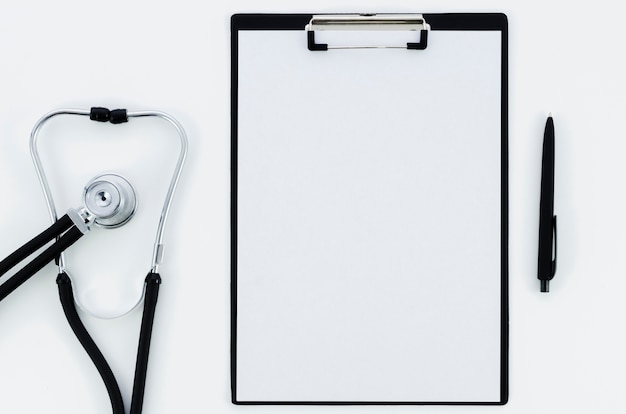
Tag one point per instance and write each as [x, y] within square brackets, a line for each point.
[369, 209]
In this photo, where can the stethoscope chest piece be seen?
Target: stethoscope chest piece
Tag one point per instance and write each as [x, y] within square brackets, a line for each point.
[111, 199]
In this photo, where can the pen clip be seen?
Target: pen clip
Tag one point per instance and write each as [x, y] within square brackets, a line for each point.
[555, 249]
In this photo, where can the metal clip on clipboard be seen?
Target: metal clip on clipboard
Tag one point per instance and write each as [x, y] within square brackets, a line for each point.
[410, 22]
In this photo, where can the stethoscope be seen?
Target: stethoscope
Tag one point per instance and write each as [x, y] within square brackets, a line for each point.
[109, 201]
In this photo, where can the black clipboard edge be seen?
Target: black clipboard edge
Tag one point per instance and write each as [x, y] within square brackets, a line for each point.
[234, 76]
[504, 350]
[439, 21]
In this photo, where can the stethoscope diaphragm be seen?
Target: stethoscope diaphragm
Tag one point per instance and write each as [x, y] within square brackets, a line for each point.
[111, 199]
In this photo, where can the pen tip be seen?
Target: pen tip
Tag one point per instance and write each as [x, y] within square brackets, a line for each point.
[549, 114]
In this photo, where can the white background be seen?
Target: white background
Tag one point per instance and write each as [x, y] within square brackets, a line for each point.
[566, 347]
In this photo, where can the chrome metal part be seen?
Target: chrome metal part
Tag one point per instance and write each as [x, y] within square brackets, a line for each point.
[368, 22]
[81, 219]
[111, 199]
[158, 244]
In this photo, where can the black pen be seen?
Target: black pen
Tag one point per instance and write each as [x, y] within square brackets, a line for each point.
[547, 220]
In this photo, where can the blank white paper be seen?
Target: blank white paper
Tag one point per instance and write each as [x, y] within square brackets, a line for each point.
[369, 220]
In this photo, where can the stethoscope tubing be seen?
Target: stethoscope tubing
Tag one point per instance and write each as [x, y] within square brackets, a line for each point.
[58, 227]
[153, 282]
[66, 296]
[71, 236]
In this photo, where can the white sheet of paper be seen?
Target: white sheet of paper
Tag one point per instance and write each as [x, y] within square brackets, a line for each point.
[369, 220]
